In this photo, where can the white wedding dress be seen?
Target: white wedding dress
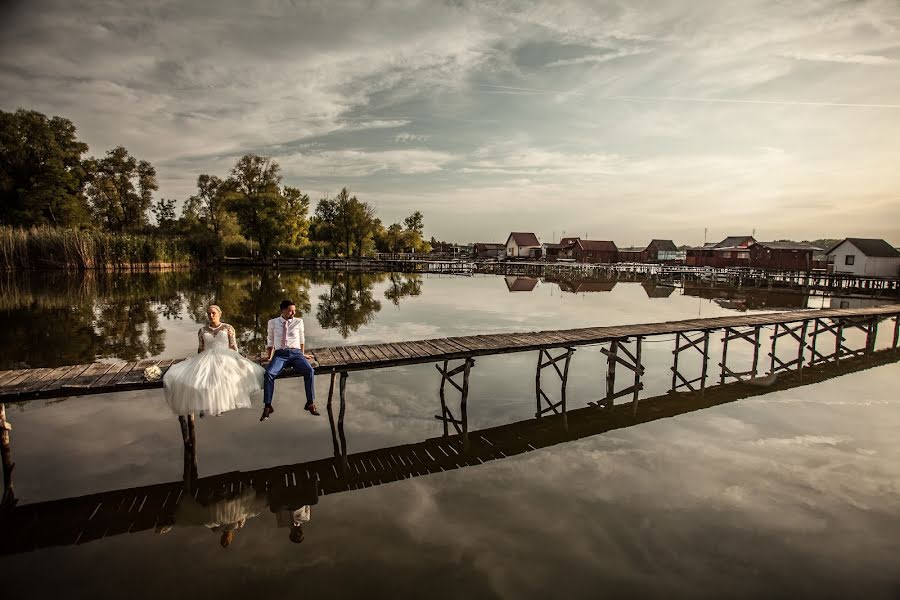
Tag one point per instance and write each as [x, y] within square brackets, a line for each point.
[217, 380]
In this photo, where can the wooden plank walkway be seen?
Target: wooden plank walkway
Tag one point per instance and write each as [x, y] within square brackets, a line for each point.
[78, 380]
[82, 519]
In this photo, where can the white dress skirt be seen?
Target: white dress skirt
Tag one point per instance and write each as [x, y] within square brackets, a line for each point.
[216, 380]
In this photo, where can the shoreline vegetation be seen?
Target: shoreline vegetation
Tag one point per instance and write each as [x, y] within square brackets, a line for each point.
[60, 210]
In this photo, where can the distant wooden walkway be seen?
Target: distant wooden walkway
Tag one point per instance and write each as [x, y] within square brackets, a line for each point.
[97, 378]
[83, 519]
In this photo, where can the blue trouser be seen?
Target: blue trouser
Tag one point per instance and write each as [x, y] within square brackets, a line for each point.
[295, 359]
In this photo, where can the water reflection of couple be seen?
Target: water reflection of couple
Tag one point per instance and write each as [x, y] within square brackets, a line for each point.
[220, 379]
[229, 514]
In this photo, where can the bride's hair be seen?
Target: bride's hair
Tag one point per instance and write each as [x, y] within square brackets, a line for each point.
[214, 306]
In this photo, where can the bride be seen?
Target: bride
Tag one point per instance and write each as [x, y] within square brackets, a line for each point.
[218, 379]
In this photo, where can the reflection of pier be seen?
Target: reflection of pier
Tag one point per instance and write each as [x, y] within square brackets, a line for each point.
[745, 277]
[79, 520]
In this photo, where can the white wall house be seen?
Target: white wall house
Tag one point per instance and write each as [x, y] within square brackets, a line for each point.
[522, 245]
[861, 256]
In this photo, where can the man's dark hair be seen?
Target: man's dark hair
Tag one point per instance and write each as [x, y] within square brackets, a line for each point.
[285, 303]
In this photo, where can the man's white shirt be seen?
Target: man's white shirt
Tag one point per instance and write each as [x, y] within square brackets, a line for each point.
[275, 333]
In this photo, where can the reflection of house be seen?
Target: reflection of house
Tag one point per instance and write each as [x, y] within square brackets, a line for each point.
[733, 251]
[657, 290]
[746, 299]
[860, 256]
[486, 251]
[523, 245]
[836, 302]
[594, 251]
[520, 284]
[788, 256]
[577, 287]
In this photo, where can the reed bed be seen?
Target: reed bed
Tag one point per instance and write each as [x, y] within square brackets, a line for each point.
[56, 248]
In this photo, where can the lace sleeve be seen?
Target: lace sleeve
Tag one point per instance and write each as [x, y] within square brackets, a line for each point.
[232, 340]
[200, 342]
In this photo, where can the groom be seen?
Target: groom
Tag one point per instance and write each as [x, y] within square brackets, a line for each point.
[285, 343]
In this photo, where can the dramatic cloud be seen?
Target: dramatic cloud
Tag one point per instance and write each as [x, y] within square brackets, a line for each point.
[628, 122]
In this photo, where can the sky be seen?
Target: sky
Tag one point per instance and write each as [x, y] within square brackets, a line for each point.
[686, 120]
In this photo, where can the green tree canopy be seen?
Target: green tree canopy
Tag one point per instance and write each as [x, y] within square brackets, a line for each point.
[120, 189]
[265, 212]
[42, 174]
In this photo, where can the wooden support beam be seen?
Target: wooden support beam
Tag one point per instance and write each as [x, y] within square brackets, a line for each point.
[446, 417]
[541, 397]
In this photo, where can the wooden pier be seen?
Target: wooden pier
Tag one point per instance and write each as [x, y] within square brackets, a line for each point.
[75, 521]
[809, 328]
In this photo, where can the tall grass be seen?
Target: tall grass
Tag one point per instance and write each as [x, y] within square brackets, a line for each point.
[55, 248]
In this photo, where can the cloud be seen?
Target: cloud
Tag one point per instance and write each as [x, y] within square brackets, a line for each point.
[851, 59]
[411, 137]
[666, 107]
[360, 163]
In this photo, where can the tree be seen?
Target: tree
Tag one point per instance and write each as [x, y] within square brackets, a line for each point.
[164, 213]
[255, 199]
[415, 223]
[42, 174]
[264, 211]
[296, 206]
[120, 189]
[411, 240]
[363, 225]
[208, 205]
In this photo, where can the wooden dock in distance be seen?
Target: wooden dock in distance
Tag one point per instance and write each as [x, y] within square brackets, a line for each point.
[97, 378]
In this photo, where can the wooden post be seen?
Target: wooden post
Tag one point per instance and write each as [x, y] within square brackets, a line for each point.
[538, 412]
[343, 398]
[465, 396]
[443, 399]
[894, 344]
[343, 405]
[638, 368]
[801, 348]
[812, 346]
[611, 372]
[724, 356]
[871, 335]
[755, 352]
[565, 381]
[328, 406]
[705, 362]
[774, 340]
[838, 338]
[675, 362]
[9, 494]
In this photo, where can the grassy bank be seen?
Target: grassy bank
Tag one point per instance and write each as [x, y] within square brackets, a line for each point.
[52, 248]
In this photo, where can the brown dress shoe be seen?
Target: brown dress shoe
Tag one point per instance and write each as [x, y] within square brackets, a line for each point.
[267, 410]
[311, 407]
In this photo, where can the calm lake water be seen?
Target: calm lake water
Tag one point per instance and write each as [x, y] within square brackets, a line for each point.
[795, 492]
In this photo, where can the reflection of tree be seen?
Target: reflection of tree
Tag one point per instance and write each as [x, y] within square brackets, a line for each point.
[349, 303]
[403, 285]
[59, 318]
[129, 330]
[48, 338]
